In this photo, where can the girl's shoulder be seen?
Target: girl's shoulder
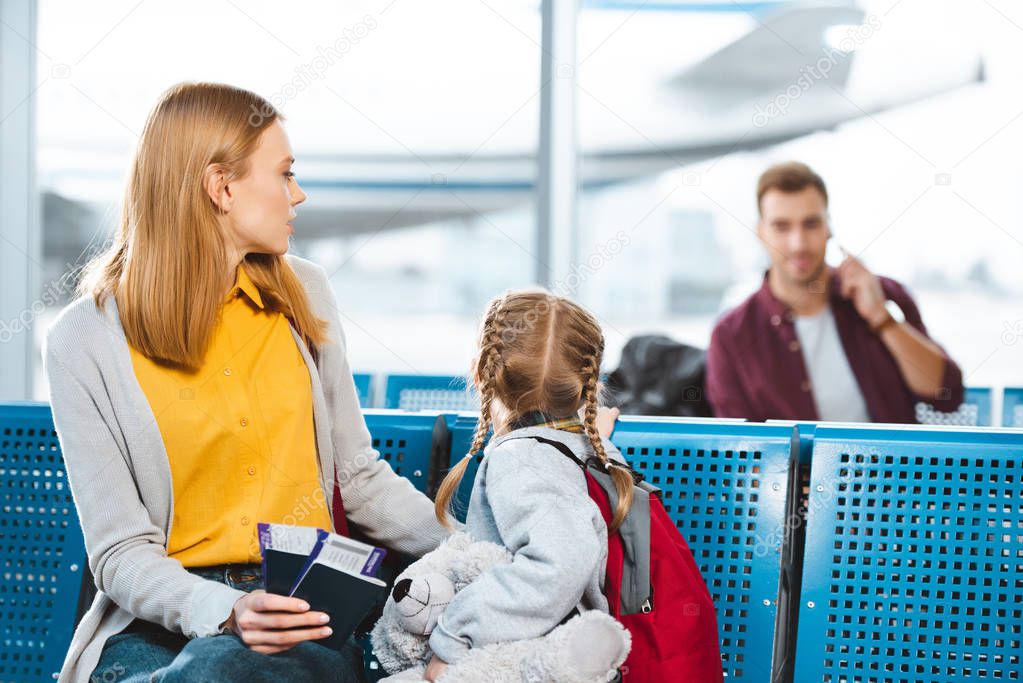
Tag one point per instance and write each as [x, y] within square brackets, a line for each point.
[520, 449]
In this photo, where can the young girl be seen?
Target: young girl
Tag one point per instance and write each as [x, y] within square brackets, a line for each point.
[537, 370]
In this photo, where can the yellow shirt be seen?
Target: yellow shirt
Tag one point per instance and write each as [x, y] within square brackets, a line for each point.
[238, 433]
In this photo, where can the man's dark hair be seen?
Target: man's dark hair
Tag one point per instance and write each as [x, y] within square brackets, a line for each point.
[791, 176]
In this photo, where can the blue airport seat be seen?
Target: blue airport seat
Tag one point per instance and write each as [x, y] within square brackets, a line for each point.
[463, 427]
[364, 388]
[429, 392]
[914, 563]
[975, 411]
[724, 484]
[410, 442]
[374, 670]
[42, 553]
[1012, 407]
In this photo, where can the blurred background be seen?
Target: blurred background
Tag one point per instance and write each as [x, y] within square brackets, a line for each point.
[436, 177]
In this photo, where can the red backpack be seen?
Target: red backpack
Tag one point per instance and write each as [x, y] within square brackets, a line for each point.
[654, 587]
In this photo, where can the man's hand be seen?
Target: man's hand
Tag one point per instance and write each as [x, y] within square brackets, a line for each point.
[863, 288]
[436, 667]
[259, 618]
[606, 419]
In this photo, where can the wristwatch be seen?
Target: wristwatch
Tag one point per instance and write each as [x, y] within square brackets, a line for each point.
[894, 316]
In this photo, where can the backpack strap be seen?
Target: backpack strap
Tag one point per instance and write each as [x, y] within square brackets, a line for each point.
[591, 462]
[566, 451]
[636, 591]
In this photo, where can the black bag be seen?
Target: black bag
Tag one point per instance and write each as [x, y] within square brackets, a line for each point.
[660, 376]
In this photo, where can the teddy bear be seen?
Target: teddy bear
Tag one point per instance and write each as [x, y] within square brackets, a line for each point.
[588, 648]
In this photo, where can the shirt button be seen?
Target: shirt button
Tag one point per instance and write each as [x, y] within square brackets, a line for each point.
[245, 521]
[776, 320]
[793, 346]
[805, 386]
[227, 371]
[243, 422]
[252, 471]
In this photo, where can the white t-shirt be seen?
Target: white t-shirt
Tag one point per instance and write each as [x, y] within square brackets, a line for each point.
[835, 389]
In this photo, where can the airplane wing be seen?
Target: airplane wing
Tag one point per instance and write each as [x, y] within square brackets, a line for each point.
[782, 46]
[802, 54]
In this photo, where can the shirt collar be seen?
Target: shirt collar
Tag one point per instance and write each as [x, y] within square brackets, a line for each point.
[776, 307]
[570, 423]
[242, 283]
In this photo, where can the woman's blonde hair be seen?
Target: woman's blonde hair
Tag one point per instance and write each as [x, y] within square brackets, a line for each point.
[537, 352]
[166, 265]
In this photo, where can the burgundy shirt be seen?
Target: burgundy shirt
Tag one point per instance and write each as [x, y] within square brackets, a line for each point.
[755, 365]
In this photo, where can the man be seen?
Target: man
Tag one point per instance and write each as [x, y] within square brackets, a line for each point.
[822, 343]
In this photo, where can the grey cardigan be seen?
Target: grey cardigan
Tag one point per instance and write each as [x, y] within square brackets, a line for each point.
[120, 477]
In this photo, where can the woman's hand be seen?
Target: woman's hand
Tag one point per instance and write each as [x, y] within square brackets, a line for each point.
[434, 670]
[259, 618]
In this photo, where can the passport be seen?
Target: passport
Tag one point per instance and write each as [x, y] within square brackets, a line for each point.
[333, 573]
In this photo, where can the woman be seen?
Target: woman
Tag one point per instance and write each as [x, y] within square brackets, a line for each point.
[199, 386]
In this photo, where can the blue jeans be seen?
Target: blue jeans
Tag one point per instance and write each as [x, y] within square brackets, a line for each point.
[148, 653]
